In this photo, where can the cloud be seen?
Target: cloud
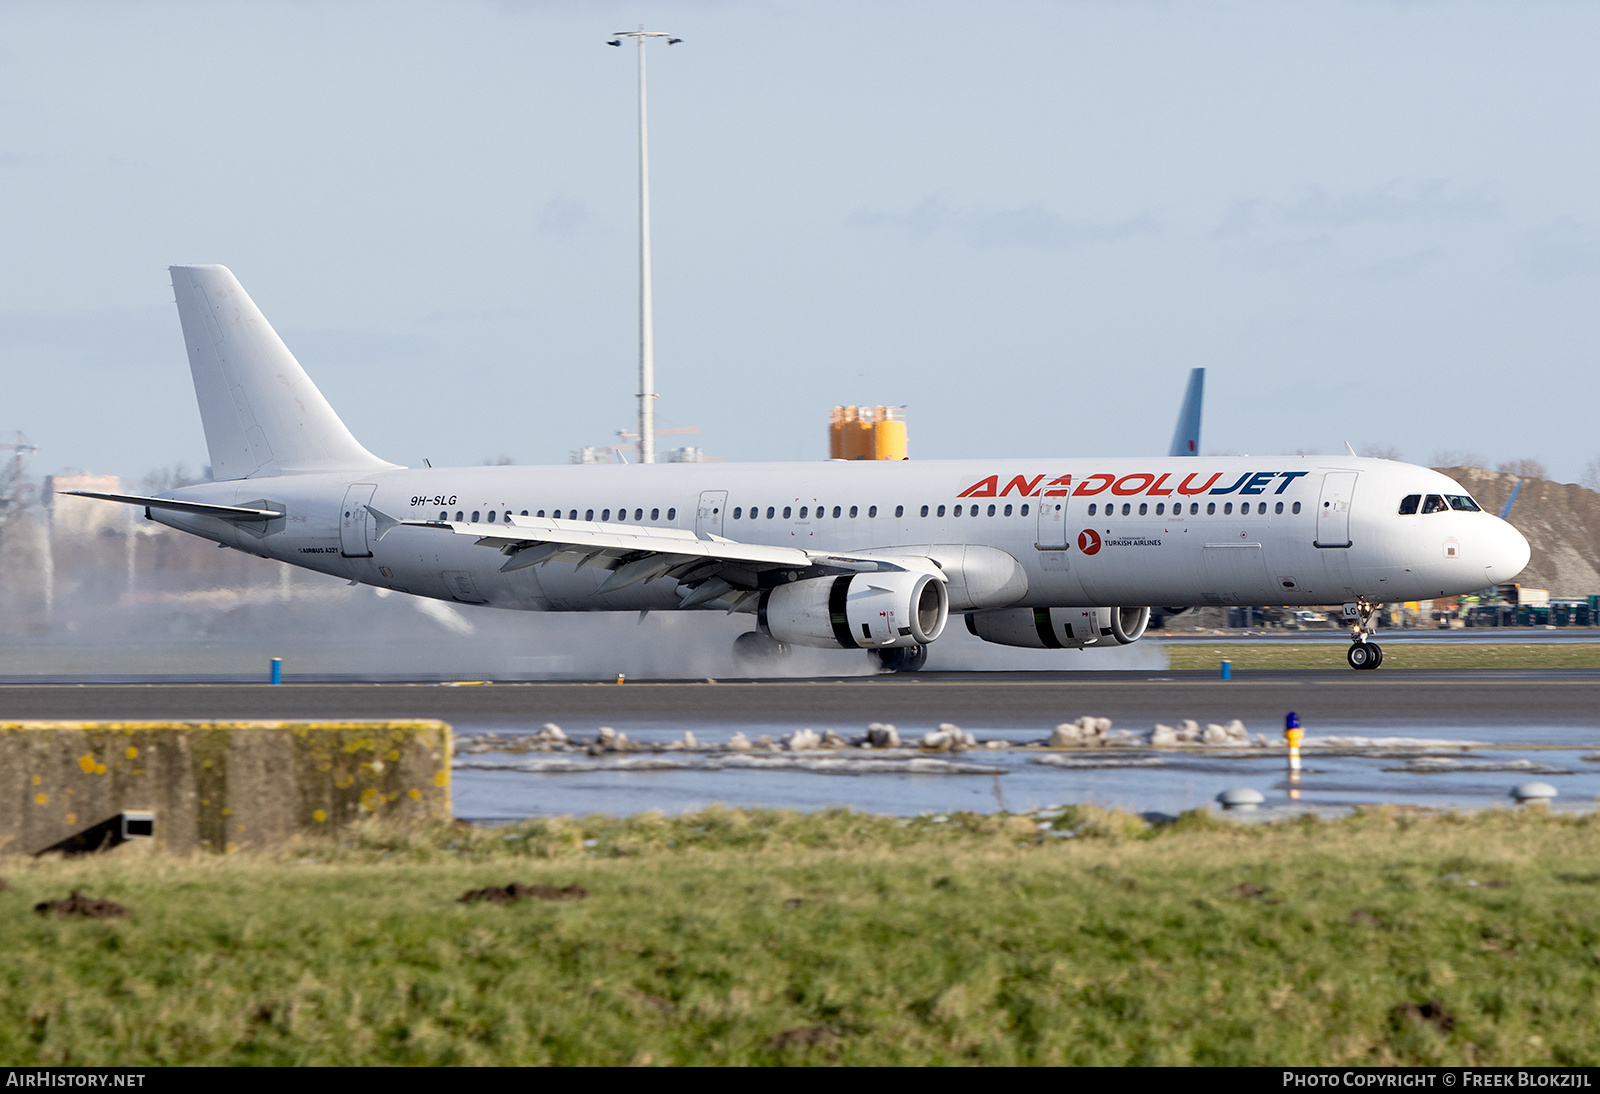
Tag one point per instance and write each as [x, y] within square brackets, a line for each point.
[1564, 248]
[562, 216]
[1431, 201]
[1406, 264]
[1030, 225]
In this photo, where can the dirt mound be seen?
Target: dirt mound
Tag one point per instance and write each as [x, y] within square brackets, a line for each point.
[1561, 521]
[804, 1037]
[1427, 1014]
[514, 892]
[77, 904]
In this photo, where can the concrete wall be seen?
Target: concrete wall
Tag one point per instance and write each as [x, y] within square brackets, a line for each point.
[220, 786]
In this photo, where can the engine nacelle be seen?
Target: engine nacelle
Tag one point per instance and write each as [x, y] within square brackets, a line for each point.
[858, 611]
[1060, 628]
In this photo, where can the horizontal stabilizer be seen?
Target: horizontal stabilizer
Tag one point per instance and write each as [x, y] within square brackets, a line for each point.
[205, 509]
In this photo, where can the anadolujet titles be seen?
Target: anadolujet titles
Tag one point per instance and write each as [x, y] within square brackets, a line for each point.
[1042, 553]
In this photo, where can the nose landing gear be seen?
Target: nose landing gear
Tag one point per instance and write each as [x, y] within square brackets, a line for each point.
[1363, 652]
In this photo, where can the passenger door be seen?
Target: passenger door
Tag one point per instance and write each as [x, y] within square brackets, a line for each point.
[353, 525]
[1333, 510]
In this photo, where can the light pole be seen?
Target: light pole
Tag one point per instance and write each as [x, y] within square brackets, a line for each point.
[647, 349]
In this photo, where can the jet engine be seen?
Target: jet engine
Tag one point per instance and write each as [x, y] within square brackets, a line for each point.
[890, 610]
[1060, 628]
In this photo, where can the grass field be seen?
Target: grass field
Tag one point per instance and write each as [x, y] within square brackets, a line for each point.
[1415, 655]
[762, 937]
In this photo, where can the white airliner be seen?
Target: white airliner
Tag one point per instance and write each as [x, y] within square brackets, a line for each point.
[1042, 553]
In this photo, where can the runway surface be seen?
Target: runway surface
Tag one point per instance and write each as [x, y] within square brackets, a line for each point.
[1032, 700]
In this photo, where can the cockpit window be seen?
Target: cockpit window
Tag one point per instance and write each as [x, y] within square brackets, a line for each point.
[1463, 504]
[1409, 503]
[1433, 504]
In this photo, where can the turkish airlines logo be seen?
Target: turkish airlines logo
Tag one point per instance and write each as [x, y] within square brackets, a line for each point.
[1089, 541]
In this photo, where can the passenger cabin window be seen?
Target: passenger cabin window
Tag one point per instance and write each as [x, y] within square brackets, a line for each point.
[738, 511]
[1409, 503]
[836, 512]
[1211, 508]
[672, 514]
[941, 511]
[991, 510]
[1160, 508]
[852, 511]
[525, 513]
[655, 514]
[1024, 510]
[1194, 508]
[541, 512]
[588, 514]
[1463, 504]
[1143, 508]
[605, 514]
[1091, 508]
[1227, 509]
[1278, 509]
[491, 516]
[1433, 504]
[785, 512]
[769, 512]
[474, 516]
[802, 512]
[1296, 507]
[958, 510]
[899, 510]
[924, 510]
[1008, 510]
[1126, 508]
[872, 511]
[444, 515]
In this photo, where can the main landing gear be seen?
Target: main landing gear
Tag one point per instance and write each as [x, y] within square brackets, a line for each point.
[1363, 652]
[902, 658]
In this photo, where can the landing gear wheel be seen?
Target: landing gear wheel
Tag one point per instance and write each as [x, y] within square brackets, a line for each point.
[903, 658]
[1364, 655]
[755, 649]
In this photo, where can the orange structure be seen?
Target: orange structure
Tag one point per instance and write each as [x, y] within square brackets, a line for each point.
[867, 433]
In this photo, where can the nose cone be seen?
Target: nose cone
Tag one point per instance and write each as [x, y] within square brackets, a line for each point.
[1508, 552]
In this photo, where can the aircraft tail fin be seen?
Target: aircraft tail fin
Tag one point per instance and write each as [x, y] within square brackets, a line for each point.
[262, 414]
[1186, 437]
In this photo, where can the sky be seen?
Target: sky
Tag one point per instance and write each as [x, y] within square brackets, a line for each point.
[1373, 222]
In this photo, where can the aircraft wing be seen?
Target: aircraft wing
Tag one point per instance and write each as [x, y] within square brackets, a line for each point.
[712, 567]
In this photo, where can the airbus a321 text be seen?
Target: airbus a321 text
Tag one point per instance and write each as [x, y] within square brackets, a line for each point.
[1042, 553]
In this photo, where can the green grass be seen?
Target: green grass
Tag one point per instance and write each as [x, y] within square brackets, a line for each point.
[1418, 655]
[712, 937]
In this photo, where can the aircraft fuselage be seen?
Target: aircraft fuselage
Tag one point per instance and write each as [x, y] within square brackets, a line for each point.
[1170, 532]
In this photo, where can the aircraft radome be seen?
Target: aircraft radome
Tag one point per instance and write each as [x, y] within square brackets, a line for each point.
[1046, 552]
